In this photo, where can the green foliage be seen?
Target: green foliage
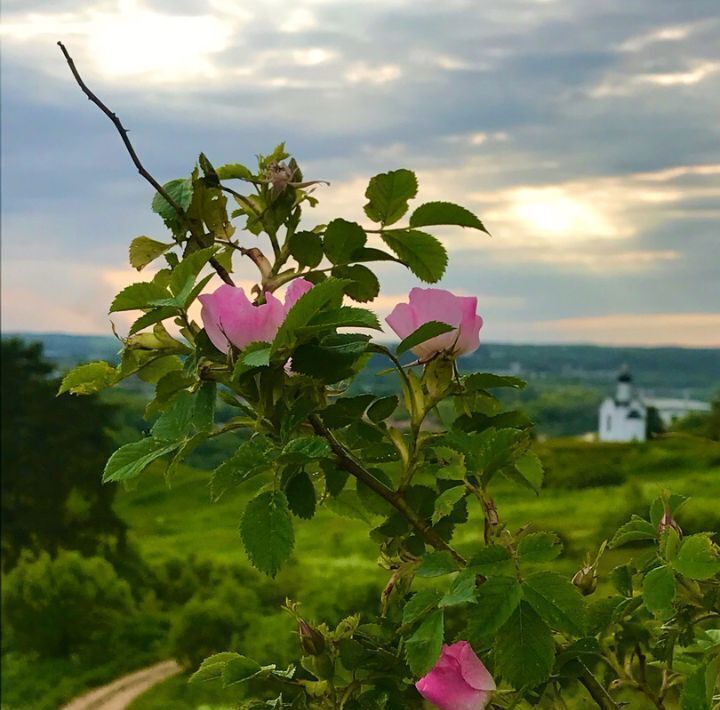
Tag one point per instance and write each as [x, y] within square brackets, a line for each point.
[421, 334]
[388, 195]
[525, 650]
[431, 489]
[422, 253]
[89, 378]
[267, 531]
[423, 646]
[55, 607]
[52, 450]
[143, 250]
[342, 240]
[435, 213]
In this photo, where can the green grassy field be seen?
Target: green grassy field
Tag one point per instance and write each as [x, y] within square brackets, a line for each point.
[181, 519]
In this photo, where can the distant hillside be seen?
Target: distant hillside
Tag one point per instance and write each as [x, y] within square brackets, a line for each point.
[662, 371]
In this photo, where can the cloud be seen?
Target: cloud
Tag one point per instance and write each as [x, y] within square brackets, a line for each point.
[584, 134]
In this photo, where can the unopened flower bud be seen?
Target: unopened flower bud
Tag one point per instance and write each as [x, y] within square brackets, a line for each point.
[279, 176]
[311, 640]
[667, 521]
[586, 579]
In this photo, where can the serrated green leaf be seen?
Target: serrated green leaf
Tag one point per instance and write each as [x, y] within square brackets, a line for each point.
[492, 560]
[143, 250]
[347, 504]
[267, 531]
[422, 253]
[327, 293]
[306, 248]
[342, 238]
[382, 408]
[137, 296]
[659, 591]
[462, 590]
[635, 529]
[132, 459]
[530, 468]
[425, 332]
[151, 317]
[212, 667]
[497, 598]
[365, 285]
[436, 564]
[446, 501]
[621, 577]
[422, 649]
[233, 171]
[181, 191]
[89, 378]
[419, 605]
[251, 458]
[300, 493]
[697, 557]
[174, 424]
[344, 317]
[539, 547]
[239, 670]
[700, 688]
[186, 272]
[306, 448]
[557, 601]
[524, 649]
[437, 213]
[204, 410]
[388, 195]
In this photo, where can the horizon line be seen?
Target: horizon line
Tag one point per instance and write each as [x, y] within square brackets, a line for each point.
[658, 346]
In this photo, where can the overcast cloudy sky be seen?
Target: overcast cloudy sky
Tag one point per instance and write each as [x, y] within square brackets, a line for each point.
[585, 133]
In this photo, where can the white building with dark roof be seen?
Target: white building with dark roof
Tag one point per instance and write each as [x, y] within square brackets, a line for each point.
[624, 416]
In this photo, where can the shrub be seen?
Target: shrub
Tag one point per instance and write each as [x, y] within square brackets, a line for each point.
[57, 606]
[213, 620]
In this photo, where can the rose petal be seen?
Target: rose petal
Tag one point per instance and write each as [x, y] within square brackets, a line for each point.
[295, 290]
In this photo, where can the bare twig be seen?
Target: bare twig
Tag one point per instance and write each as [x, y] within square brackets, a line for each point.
[221, 271]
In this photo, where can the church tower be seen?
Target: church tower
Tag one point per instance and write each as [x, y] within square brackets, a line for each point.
[623, 417]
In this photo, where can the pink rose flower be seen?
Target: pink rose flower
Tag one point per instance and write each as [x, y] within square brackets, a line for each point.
[230, 318]
[436, 304]
[459, 680]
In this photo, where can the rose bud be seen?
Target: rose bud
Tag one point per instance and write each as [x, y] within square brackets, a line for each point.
[436, 304]
[459, 680]
[311, 640]
[667, 521]
[230, 318]
[586, 579]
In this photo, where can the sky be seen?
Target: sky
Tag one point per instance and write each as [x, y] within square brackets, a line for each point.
[585, 134]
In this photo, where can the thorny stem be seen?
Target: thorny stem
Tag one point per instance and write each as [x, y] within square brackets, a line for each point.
[596, 690]
[347, 462]
[221, 271]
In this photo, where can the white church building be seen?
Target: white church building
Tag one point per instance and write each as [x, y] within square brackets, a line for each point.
[624, 416]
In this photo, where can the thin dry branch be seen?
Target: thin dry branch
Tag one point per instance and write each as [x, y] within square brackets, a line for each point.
[221, 271]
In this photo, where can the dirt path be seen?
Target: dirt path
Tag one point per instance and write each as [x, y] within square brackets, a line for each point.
[121, 692]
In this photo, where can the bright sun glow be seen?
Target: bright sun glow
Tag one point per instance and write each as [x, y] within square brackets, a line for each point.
[133, 41]
[551, 212]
